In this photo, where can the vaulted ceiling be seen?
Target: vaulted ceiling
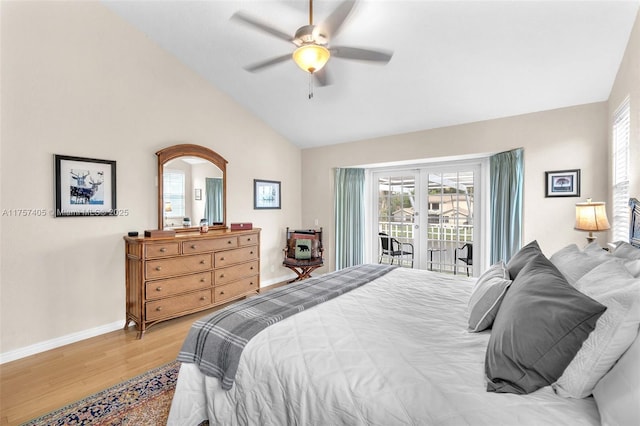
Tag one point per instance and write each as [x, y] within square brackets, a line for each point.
[453, 61]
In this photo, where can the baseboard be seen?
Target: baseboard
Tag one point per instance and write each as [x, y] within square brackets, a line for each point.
[268, 283]
[59, 341]
[86, 334]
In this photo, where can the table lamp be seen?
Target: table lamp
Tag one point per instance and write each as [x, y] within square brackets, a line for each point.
[591, 217]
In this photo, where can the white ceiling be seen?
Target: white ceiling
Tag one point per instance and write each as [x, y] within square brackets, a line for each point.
[454, 61]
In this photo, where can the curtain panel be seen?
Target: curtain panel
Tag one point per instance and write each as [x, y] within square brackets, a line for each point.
[507, 180]
[349, 217]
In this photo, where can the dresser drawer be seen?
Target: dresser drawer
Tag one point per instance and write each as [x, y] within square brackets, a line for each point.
[201, 246]
[248, 240]
[229, 291]
[232, 273]
[229, 257]
[177, 266]
[173, 305]
[163, 288]
[161, 250]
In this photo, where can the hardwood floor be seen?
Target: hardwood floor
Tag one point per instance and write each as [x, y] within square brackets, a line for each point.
[36, 385]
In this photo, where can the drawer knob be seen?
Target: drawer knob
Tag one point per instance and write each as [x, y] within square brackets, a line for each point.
[203, 298]
[158, 268]
[251, 252]
[221, 275]
[202, 280]
[251, 268]
[251, 283]
[162, 250]
[249, 239]
[222, 258]
[202, 262]
[229, 242]
[221, 293]
[193, 246]
[159, 308]
[158, 288]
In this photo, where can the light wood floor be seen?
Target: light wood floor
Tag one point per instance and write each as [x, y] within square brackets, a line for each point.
[36, 385]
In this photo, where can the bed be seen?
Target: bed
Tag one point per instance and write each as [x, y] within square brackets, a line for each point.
[401, 350]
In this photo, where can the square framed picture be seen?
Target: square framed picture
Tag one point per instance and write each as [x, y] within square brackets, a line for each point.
[562, 183]
[84, 186]
[266, 194]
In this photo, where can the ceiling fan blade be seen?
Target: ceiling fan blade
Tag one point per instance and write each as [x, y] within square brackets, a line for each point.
[332, 25]
[360, 54]
[259, 66]
[322, 77]
[262, 26]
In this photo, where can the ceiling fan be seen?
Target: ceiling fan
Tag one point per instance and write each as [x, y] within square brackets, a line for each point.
[312, 44]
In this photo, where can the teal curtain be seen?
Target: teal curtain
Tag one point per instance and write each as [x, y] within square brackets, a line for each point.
[349, 217]
[507, 179]
[213, 210]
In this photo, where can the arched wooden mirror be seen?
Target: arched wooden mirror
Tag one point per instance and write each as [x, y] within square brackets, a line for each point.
[192, 185]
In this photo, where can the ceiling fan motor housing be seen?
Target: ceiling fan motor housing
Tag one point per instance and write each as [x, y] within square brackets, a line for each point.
[309, 34]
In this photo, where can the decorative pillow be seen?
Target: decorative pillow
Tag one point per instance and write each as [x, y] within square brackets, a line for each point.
[303, 248]
[613, 286]
[486, 296]
[522, 257]
[618, 392]
[539, 328]
[573, 263]
[626, 251]
[293, 250]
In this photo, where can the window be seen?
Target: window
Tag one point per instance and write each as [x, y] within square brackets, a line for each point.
[621, 128]
[173, 189]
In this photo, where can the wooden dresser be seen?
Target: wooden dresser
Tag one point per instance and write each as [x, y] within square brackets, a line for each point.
[170, 277]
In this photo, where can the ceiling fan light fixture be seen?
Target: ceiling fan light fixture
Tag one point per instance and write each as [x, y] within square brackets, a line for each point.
[311, 57]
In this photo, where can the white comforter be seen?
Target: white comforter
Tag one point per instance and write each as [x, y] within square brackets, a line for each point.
[393, 352]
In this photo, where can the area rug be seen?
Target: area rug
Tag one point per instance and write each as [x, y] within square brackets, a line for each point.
[143, 400]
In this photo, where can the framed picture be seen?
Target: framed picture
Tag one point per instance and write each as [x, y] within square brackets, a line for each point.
[198, 194]
[562, 183]
[266, 194]
[84, 186]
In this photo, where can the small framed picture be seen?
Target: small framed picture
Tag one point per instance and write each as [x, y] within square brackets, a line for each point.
[562, 183]
[198, 194]
[266, 194]
[84, 186]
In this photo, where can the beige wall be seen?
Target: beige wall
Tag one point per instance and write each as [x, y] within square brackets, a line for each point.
[627, 83]
[78, 80]
[569, 138]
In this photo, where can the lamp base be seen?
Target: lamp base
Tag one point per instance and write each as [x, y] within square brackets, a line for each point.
[591, 238]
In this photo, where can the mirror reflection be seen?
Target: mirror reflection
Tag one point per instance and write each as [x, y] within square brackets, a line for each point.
[193, 190]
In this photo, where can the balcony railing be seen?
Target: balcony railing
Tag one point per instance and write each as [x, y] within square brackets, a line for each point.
[441, 243]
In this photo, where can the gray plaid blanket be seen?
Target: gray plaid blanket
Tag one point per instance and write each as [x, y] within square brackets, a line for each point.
[216, 341]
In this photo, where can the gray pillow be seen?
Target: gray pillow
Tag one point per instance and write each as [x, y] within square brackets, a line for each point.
[486, 296]
[539, 328]
[522, 257]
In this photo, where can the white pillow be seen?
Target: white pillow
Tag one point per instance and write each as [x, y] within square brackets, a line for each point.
[626, 251]
[613, 286]
[618, 393]
[632, 265]
[573, 263]
[487, 295]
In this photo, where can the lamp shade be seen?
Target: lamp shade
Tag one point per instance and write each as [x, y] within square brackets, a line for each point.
[591, 216]
[311, 57]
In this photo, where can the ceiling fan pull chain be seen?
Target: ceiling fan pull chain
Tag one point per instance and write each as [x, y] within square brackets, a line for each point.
[310, 85]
